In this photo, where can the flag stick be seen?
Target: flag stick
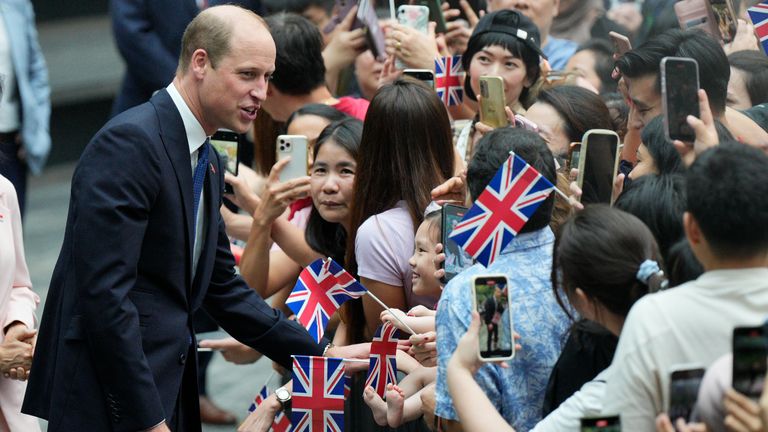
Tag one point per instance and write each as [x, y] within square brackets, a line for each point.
[392, 10]
[564, 196]
[390, 311]
[354, 360]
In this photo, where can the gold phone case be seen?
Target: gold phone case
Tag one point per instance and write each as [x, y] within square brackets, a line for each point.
[492, 102]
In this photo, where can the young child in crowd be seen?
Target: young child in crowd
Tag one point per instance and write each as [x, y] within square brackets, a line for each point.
[403, 401]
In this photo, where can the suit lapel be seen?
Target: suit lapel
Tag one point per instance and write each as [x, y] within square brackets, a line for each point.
[174, 139]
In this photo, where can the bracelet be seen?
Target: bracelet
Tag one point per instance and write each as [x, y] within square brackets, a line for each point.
[327, 347]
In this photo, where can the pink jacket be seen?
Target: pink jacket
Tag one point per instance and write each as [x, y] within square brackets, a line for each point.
[17, 303]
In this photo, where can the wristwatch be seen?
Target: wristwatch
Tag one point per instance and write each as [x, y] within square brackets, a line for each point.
[284, 397]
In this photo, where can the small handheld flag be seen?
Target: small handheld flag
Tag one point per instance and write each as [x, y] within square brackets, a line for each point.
[318, 394]
[383, 366]
[448, 83]
[759, 16]
[321, 289]
[281, 423]
[498, 214]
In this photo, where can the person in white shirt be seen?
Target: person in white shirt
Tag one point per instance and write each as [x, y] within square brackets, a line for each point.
[725, 224]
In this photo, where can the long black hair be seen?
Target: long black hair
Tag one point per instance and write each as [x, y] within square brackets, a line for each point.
[330, 238]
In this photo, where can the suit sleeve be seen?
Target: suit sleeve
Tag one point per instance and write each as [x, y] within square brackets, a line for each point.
[140, 45]
[113, 188]
[247, 317]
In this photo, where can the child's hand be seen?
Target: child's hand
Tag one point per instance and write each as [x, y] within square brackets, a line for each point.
[421, 311]
[392, 318]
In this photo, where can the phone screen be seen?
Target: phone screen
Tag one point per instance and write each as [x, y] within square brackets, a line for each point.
[680, 84]
[456, 259]
[599, 159]
[683, 392]
[726, 23]
[226, 144]
[749, 360]
[601, 424]
[492, 303]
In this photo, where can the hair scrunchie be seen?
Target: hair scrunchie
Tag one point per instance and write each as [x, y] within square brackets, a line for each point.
[647, 269]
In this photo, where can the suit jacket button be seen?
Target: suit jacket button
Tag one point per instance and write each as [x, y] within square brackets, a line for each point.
[182, 358]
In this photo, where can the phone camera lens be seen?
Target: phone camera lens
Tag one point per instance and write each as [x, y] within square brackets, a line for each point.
[282, 148]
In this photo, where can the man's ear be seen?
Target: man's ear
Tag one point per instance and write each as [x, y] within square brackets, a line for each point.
[200, 62]
[692, 229]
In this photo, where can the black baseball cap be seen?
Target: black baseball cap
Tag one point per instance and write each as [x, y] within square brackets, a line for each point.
[512, 23]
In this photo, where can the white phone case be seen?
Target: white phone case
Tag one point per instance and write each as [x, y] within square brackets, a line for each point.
[294, 146]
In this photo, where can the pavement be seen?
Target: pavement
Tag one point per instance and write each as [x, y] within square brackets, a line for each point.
[231, 386]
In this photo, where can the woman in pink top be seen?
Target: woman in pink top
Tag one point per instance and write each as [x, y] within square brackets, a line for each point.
[17, 315]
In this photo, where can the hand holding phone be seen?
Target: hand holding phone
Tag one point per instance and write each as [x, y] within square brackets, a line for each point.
[492, 301]
[492, 102]
[679, 96]
[227, 145]
[598, 164]
[684, 383]
[749, 360]
[297, 147]
[621, 44]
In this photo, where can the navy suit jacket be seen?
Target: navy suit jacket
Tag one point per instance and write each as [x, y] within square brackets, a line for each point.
[116, 332]
[148, 35]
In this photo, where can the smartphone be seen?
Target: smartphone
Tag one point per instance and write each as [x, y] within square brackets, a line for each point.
[621, 44]
[574, 151]
[435, 14]
[523, 123]
[477, 6]
[684, 383]
[415, 17]
[227, 145]
[697, 14]
[374, 36]
[490, 294]
[749, 360]
[725, 19]
[492, 102]
[456, 259]
[342, 8]
[424, 75]
[295, 146]
[679, 96]
[598, 162]
[601, 424]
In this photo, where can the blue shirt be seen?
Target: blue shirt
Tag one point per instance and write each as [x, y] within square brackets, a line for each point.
[559, 51]
[516, 392]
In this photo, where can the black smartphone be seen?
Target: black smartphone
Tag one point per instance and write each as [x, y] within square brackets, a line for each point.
[749, 360]
[477, 6]
[679, 98]
[601, 424]
[684, 383]
[227, 145]
[456, 259]
[492, 301]
[424, 75]
[435, 14]
[598, 162]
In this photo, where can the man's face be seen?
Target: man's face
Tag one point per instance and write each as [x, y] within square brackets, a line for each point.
[541, 12]
[232, 92]
[646, 100]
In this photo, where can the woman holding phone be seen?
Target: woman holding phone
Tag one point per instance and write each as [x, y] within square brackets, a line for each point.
[604, 261]
[400, 162]
[504, 44]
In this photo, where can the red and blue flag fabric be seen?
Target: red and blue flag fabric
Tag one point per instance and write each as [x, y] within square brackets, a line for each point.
[281, 423]
[321, 289]
[448, 82]
[503, 208]
[259, 399]
[317, 400]
[382, 369]
[759, 16]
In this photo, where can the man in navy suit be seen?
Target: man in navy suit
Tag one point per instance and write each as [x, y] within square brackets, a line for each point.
[116, 350]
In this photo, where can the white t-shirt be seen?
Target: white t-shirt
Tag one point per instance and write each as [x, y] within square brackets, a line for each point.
[587, 402]
[692, 323]
[383, 246]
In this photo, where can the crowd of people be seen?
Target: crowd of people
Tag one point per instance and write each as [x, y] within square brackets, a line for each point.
[605, 300]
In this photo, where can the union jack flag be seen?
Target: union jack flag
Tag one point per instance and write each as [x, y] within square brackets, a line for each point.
[317, 402]
[501, 210]
[382, 369]
[759, 16]
[281, 423]
[448, 84]
[321, 289]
